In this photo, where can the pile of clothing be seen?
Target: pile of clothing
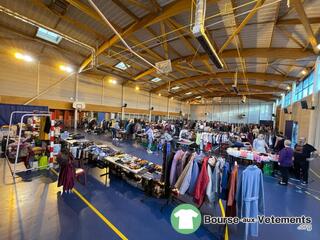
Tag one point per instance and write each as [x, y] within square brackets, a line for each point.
[252, 155]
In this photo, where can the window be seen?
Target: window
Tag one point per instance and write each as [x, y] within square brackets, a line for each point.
[304, 88]
[287, 99]
[48, 35]
[122, 66]
[156, 79]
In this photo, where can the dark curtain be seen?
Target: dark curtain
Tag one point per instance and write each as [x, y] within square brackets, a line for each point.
[7, 109]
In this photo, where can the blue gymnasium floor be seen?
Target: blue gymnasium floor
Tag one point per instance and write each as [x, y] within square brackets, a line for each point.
[36, 210]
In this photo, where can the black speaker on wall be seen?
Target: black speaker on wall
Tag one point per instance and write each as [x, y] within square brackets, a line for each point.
[304, 104]
[285, 110]
[125, 105]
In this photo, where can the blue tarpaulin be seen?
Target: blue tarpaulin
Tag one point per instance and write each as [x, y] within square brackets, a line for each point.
[7, 109]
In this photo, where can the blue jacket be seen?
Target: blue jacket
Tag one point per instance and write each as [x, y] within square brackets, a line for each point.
[250, 197]
[195, 173]
[224, 181]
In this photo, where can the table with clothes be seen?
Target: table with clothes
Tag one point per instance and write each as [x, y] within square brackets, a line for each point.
[266, 161]
[137, 172]
[206, 179]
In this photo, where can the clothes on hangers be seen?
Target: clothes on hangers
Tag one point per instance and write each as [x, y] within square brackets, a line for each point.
[185, 176]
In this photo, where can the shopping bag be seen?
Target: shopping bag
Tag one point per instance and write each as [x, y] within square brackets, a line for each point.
[43, 162]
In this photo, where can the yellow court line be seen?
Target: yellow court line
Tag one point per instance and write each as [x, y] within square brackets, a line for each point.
[97, 212]
[226, 234]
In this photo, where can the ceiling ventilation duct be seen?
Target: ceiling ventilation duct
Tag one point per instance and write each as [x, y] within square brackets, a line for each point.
[198, 31]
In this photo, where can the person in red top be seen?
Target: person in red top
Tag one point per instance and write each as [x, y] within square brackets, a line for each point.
[202, 182]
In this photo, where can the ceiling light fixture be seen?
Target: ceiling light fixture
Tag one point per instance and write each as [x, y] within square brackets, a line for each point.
[188, 93]
[67, 69]
[112, 81]
[159, 94]
[137, 88]
[24, 57]
[288, 87]
[304, 72]
[175, 88]
[318, 46]
[198, 97]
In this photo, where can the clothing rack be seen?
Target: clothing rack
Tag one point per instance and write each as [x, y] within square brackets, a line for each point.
[27, 114]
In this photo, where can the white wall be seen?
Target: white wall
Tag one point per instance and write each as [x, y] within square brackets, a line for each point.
[229, 111]
[18, 78]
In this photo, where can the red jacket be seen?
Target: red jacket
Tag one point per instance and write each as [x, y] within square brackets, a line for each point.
[202, 182]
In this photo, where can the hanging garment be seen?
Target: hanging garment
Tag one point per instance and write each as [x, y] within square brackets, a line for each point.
[173, 172]
[182, 163]
[47, 125]
[194, 173]
[224, 181]
[166, 166]
[208, 147]
[250, 197]
[210, 189]
[184, 173]
[202, 183]
[66, 176]
[198, 139]
[216, 178]
[187, 179]
[231, 210]
[42, 134]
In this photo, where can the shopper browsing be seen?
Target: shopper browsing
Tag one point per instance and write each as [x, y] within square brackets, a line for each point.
[150, 138]
[285, 162]
[259, 144]
[301, 158]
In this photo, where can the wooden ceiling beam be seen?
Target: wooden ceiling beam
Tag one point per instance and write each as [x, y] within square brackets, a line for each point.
[242, 25]
[279, 53]
[224, 94]
[217, 87]
[227, 75]
[172, 9]
[303, 18]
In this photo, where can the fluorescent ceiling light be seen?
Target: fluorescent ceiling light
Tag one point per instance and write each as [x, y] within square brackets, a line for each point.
[156, 79]
[198, 97]
[122, 66]
[48, 35]
[175, 88]
[66, 68]
[304, 72]
[188, 93]
[113, 81]
[24, 57]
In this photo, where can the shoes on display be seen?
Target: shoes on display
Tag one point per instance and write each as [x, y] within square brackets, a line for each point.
[149, 151]
[304, 183]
